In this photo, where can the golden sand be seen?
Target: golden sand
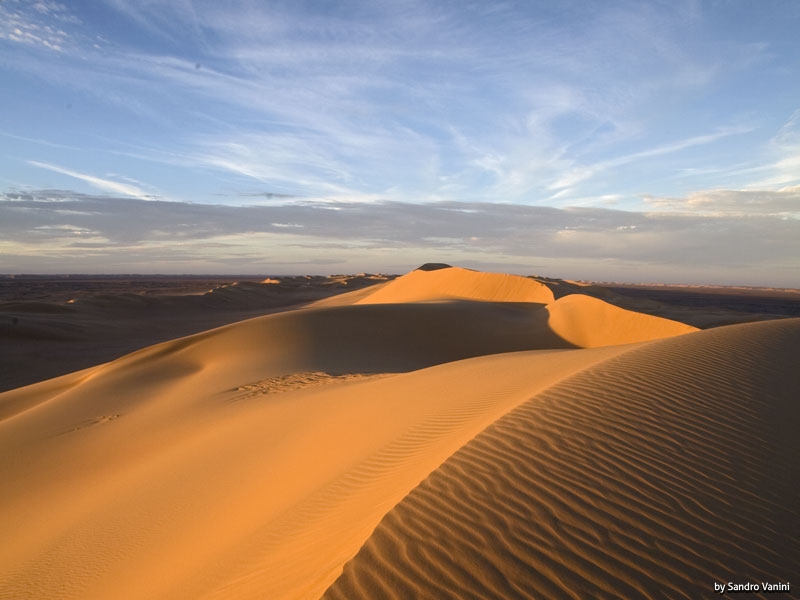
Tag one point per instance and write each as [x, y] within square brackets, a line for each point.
[446, 434]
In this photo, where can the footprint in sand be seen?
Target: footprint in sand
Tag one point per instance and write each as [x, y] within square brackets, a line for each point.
[91, 422]
[296, 381]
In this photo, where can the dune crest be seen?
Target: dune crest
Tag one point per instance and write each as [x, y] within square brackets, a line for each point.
[454, 283]
[588, 322]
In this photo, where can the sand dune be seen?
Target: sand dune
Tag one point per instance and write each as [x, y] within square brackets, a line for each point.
[184, 442]
[256, 459]
[588, 322]
[652, 474]
[462, 284]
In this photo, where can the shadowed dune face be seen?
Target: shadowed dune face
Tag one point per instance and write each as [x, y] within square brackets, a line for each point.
[340, 339]
[653, 474]
[375, 338]
[433, 267]
[54, 326]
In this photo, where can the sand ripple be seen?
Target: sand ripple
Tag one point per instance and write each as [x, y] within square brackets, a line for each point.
[651, 475]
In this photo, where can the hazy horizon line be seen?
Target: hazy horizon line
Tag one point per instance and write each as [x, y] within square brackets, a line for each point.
[8, 276]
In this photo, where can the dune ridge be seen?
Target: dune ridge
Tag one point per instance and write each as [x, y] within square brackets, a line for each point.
[454, 283]
[653, 474]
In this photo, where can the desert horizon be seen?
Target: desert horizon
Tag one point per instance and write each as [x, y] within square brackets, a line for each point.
[446, 433]
[399, 300]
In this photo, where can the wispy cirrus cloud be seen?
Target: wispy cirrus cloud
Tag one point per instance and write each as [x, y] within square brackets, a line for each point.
[161, 18]
[371, 97]
[577, 175]
[784, 149]
[107, 185]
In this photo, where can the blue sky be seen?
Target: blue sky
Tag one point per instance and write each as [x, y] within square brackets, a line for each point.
[628, 141]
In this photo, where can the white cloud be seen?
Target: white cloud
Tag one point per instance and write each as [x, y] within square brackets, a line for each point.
[741, 203]
[754, 245]
[38, 24]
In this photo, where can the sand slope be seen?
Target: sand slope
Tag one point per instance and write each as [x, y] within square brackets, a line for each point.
[198, 463]
[588, 322]
[255, 460]
[650, 475]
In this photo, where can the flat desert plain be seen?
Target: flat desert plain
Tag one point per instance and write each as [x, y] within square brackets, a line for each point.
[443, 434]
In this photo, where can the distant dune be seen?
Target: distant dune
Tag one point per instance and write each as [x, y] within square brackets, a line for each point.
[459, 284]
[446, 434]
